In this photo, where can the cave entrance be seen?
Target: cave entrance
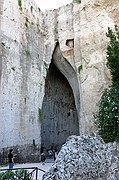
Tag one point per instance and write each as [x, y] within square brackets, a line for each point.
[59, 114]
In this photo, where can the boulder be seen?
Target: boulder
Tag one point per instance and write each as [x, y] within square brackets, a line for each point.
[85, 158]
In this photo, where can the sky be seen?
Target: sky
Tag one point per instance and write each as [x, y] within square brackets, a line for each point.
[51, 4]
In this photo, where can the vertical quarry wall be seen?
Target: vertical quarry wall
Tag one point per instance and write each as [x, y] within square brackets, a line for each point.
[72, 36]
[21, 77]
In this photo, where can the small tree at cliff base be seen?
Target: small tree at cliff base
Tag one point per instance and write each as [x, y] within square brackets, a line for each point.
[107, 116]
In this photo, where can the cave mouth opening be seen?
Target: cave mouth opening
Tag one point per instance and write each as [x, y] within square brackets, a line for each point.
[59, 114]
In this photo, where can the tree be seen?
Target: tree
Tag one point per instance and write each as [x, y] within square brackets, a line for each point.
[113, 55]
[107, 116]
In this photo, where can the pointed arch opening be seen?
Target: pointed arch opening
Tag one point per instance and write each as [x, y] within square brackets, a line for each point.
[59, 109]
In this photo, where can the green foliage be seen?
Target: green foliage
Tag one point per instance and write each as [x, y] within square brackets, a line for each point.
[16, 175]
[3, 164]
[31, 8]
[27, 53]
[113, 55]
[7, 175]
[107, 116]
[76, 1]
[22, 174]
[80, 68]
[27, 21]
[20, 3]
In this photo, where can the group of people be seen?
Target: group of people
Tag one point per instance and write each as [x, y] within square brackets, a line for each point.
[51, 153]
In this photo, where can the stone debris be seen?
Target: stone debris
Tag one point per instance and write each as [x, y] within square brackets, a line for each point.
[86, 158]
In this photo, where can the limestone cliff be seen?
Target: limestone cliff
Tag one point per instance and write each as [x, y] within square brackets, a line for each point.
[70, 37]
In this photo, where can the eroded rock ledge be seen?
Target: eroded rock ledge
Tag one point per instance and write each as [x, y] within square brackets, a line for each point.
[84, 158]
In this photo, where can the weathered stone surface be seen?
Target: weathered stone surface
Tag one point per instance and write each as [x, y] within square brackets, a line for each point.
[21, 75]
[63, 120]
[84, 158]
[22, 154]
[95, 18]
[28, 41]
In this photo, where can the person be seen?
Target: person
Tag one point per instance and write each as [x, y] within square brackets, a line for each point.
[10, 159]
[43, 158]
[50, 153]
[54, 154]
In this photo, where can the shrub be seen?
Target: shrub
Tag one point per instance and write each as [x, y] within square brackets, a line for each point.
[16, 175]
[20, 3]
[113, 55]
[107, 116]
[7, 175]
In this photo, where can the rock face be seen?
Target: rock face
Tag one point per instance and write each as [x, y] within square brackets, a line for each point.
[63, 114]
[84, 158]
[70, 37]
[21, 78]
